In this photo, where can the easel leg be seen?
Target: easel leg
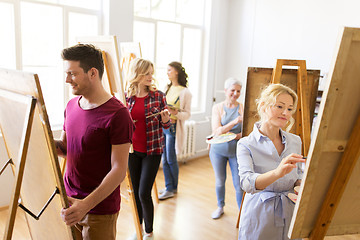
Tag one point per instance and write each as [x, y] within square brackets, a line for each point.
[133, 206]
[156, 192]
[242, 201]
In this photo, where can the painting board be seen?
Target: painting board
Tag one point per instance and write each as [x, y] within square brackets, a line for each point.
[130, 47]
[112, 78]
[129, 51]
[24, 122]
[338, 113]
[259, 78]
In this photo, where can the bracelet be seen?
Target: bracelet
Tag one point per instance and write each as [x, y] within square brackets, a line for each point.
[165, 122]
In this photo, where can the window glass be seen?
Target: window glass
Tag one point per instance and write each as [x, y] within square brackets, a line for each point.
[190, 11]
[163, 9]
[7, 36]
[192, 59]
[144, 33]
[161, 77]
[81, 25]
[168, 43]
[176, 28]
[142, 8]
[41, 49]
[41, 40]
[52, 85]
[47, 1]
[89, 4]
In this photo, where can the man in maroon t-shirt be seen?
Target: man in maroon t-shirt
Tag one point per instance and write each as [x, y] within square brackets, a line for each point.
[96, 138]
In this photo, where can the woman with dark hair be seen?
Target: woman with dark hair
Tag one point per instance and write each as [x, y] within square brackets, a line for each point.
[178, 99]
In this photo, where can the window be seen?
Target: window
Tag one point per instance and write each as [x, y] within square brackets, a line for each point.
[44, 29]
[172, 30]
[7, 36]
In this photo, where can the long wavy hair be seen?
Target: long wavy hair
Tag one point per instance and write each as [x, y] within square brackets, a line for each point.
[182, 75]
[268, 98]
[138, 69]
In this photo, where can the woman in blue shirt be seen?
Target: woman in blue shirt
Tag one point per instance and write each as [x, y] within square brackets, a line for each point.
[269, 167]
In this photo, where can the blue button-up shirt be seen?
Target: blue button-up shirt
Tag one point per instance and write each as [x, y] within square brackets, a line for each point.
[266, 214]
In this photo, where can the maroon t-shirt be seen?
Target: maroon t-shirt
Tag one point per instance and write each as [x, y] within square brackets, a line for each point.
[90, 134]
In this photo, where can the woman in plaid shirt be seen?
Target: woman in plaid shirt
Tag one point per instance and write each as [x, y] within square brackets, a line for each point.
[148, 109]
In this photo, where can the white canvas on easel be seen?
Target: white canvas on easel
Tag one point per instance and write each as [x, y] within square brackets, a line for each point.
[129, 51]
[112, 78]
[39, 189]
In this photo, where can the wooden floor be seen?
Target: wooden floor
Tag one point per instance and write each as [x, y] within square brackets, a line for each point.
[186, 216]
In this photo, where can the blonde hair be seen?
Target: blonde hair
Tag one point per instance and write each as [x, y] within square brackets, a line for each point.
[268, 98]
[138, 69]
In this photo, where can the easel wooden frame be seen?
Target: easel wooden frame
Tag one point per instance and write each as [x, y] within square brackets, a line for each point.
[27, 108]
[114, 85]
[328, 198]
[303, 116]
[302, 111]
[259, 78]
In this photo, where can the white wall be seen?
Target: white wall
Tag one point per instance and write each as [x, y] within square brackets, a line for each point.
[261, 31]
[119, 19]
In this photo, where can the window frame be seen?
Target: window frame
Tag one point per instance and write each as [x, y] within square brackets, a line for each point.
[66, 9]
[200, 106]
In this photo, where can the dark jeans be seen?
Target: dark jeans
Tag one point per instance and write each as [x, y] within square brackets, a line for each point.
[143, 170]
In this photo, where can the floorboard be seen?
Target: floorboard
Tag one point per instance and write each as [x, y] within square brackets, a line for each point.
[186, 216]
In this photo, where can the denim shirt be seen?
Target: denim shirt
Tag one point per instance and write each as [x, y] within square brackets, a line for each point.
[266, 213]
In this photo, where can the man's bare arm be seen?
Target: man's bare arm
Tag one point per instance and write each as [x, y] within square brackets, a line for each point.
[60, 145]
[78, 209]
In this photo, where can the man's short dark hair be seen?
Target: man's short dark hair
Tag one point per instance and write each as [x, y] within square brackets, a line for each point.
[88, 56]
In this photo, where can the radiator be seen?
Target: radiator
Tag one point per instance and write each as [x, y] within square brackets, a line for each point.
[189, 147]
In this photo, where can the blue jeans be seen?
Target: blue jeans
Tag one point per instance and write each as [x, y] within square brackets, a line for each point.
[170, 164]
[219, 162]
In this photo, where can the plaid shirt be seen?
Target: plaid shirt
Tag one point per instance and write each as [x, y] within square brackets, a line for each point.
[154, 102]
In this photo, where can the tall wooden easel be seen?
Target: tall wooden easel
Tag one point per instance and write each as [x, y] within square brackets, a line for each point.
[328, 200]
[113, 83]
[302, 127]
[302, 124]
[128, 179]
[30, 146]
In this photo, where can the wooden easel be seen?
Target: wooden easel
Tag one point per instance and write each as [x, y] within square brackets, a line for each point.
[302, 127]
[127, 178]
[328, 200]
[302, 112]
[29, 143]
